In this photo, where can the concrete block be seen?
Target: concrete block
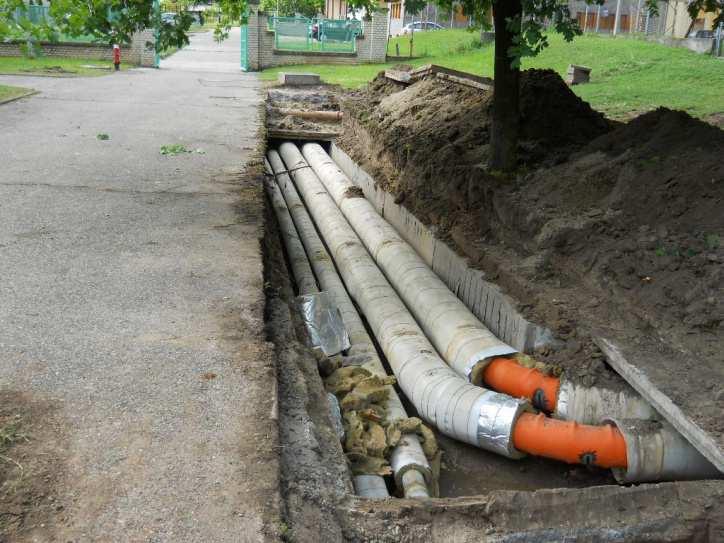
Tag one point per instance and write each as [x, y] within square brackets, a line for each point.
[287, 78]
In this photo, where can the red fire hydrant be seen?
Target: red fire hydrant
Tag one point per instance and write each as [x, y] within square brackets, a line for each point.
[117, 56]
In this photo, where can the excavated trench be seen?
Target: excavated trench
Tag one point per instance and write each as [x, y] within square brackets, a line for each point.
[475, 494]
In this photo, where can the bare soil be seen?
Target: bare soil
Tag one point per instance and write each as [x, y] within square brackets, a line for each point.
[32, 456]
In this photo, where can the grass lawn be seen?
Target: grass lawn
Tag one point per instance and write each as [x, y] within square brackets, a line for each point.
[628, 75]
[8, 93]
[61, 67]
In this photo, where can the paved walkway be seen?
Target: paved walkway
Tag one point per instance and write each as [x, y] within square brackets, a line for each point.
[131, 297]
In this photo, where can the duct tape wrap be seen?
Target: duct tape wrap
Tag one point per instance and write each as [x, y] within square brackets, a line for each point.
[475, 365]
[497, 414]
[324, 323]
[657, 452]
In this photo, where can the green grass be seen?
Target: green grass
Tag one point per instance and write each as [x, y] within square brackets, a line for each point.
[55, 66]
[628, 75]
[8, 93]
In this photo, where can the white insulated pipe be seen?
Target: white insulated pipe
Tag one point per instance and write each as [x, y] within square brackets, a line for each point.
[408, 456]
[442, 398]
[302, 271]
[595, 405]
[460, 338]
[657, 452]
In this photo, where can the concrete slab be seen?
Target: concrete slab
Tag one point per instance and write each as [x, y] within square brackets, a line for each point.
[299, 79]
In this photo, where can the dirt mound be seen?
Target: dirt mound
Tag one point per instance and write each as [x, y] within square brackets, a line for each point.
[437, 131]
[553, 115]
[606, 227]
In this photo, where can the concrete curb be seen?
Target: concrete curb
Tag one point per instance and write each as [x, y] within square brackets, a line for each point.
[13, 98]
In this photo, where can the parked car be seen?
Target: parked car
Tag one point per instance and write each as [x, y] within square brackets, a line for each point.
[420, 25]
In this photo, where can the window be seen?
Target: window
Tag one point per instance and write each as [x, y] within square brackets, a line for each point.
[395, 10]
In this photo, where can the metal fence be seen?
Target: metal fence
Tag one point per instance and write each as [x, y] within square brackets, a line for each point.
[323, 35]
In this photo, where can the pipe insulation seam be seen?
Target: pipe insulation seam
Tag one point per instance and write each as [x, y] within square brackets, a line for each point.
[457, 334]
[470, 414]
[408, 455]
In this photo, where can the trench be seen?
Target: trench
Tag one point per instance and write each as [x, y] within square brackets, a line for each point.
[313, 459]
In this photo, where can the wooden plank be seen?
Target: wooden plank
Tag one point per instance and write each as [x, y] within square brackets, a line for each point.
[398, 75]
[451, 75]
[313, 135]
[464, 81]
[650, 389]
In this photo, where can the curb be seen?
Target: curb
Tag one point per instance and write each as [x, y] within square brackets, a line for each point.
[13, 98]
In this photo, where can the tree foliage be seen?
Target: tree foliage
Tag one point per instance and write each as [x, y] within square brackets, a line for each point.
[289, 8]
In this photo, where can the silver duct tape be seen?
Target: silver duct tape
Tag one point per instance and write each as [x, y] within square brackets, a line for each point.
[485, 354]
[370, 486]
[408, 455]
[497, 414]
[324, 323]
[335, 413]
[563, 404]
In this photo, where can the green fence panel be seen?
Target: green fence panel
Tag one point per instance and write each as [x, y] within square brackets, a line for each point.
[245, 47]
[323, 35]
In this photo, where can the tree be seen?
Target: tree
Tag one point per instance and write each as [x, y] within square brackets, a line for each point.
[519, 32]
[289, 8]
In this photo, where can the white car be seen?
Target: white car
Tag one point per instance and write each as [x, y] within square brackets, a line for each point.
[420, 26]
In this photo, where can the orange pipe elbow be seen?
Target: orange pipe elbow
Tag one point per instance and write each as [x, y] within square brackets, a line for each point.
[507, 376]
[570, 442]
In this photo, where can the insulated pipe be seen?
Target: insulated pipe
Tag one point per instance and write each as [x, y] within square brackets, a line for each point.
[444, 399]
[507, 376]
[461, 339]
[326, 116]
[373, 485]
[657, 452]
[408, 456]
[587, 405]
[303, 275]
[602, 446]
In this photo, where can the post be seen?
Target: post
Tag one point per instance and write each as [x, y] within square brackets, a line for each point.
[638, 15]
[616, 19]
[157, 33]
[585, 19]
[598, 18]
[452, 15]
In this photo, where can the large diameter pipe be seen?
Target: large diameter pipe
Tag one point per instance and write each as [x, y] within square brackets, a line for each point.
[657, 452]
[460, 338]
[408, 456]
[442, 398]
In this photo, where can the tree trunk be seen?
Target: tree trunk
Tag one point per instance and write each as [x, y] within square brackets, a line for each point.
[506, 91]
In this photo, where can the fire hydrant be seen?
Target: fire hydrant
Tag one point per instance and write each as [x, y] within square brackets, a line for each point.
[117, 56]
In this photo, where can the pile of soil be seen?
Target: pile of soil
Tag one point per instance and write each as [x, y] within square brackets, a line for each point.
[605, 227]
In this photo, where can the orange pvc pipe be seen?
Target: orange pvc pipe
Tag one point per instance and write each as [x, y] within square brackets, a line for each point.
[569, 441]
[507, 376]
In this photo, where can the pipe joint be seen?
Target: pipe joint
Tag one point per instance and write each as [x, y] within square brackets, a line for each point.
[496, 418]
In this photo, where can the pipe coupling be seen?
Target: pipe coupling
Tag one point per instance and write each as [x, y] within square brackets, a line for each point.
[657, 452]
[496, 417]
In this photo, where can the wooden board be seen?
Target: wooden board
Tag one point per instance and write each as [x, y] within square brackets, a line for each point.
[311, 135]
[657, 378]
[398, 75]
[454, 75]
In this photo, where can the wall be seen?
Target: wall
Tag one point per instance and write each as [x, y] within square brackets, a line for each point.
[137, 53]
[372, 47]
[698, 45]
